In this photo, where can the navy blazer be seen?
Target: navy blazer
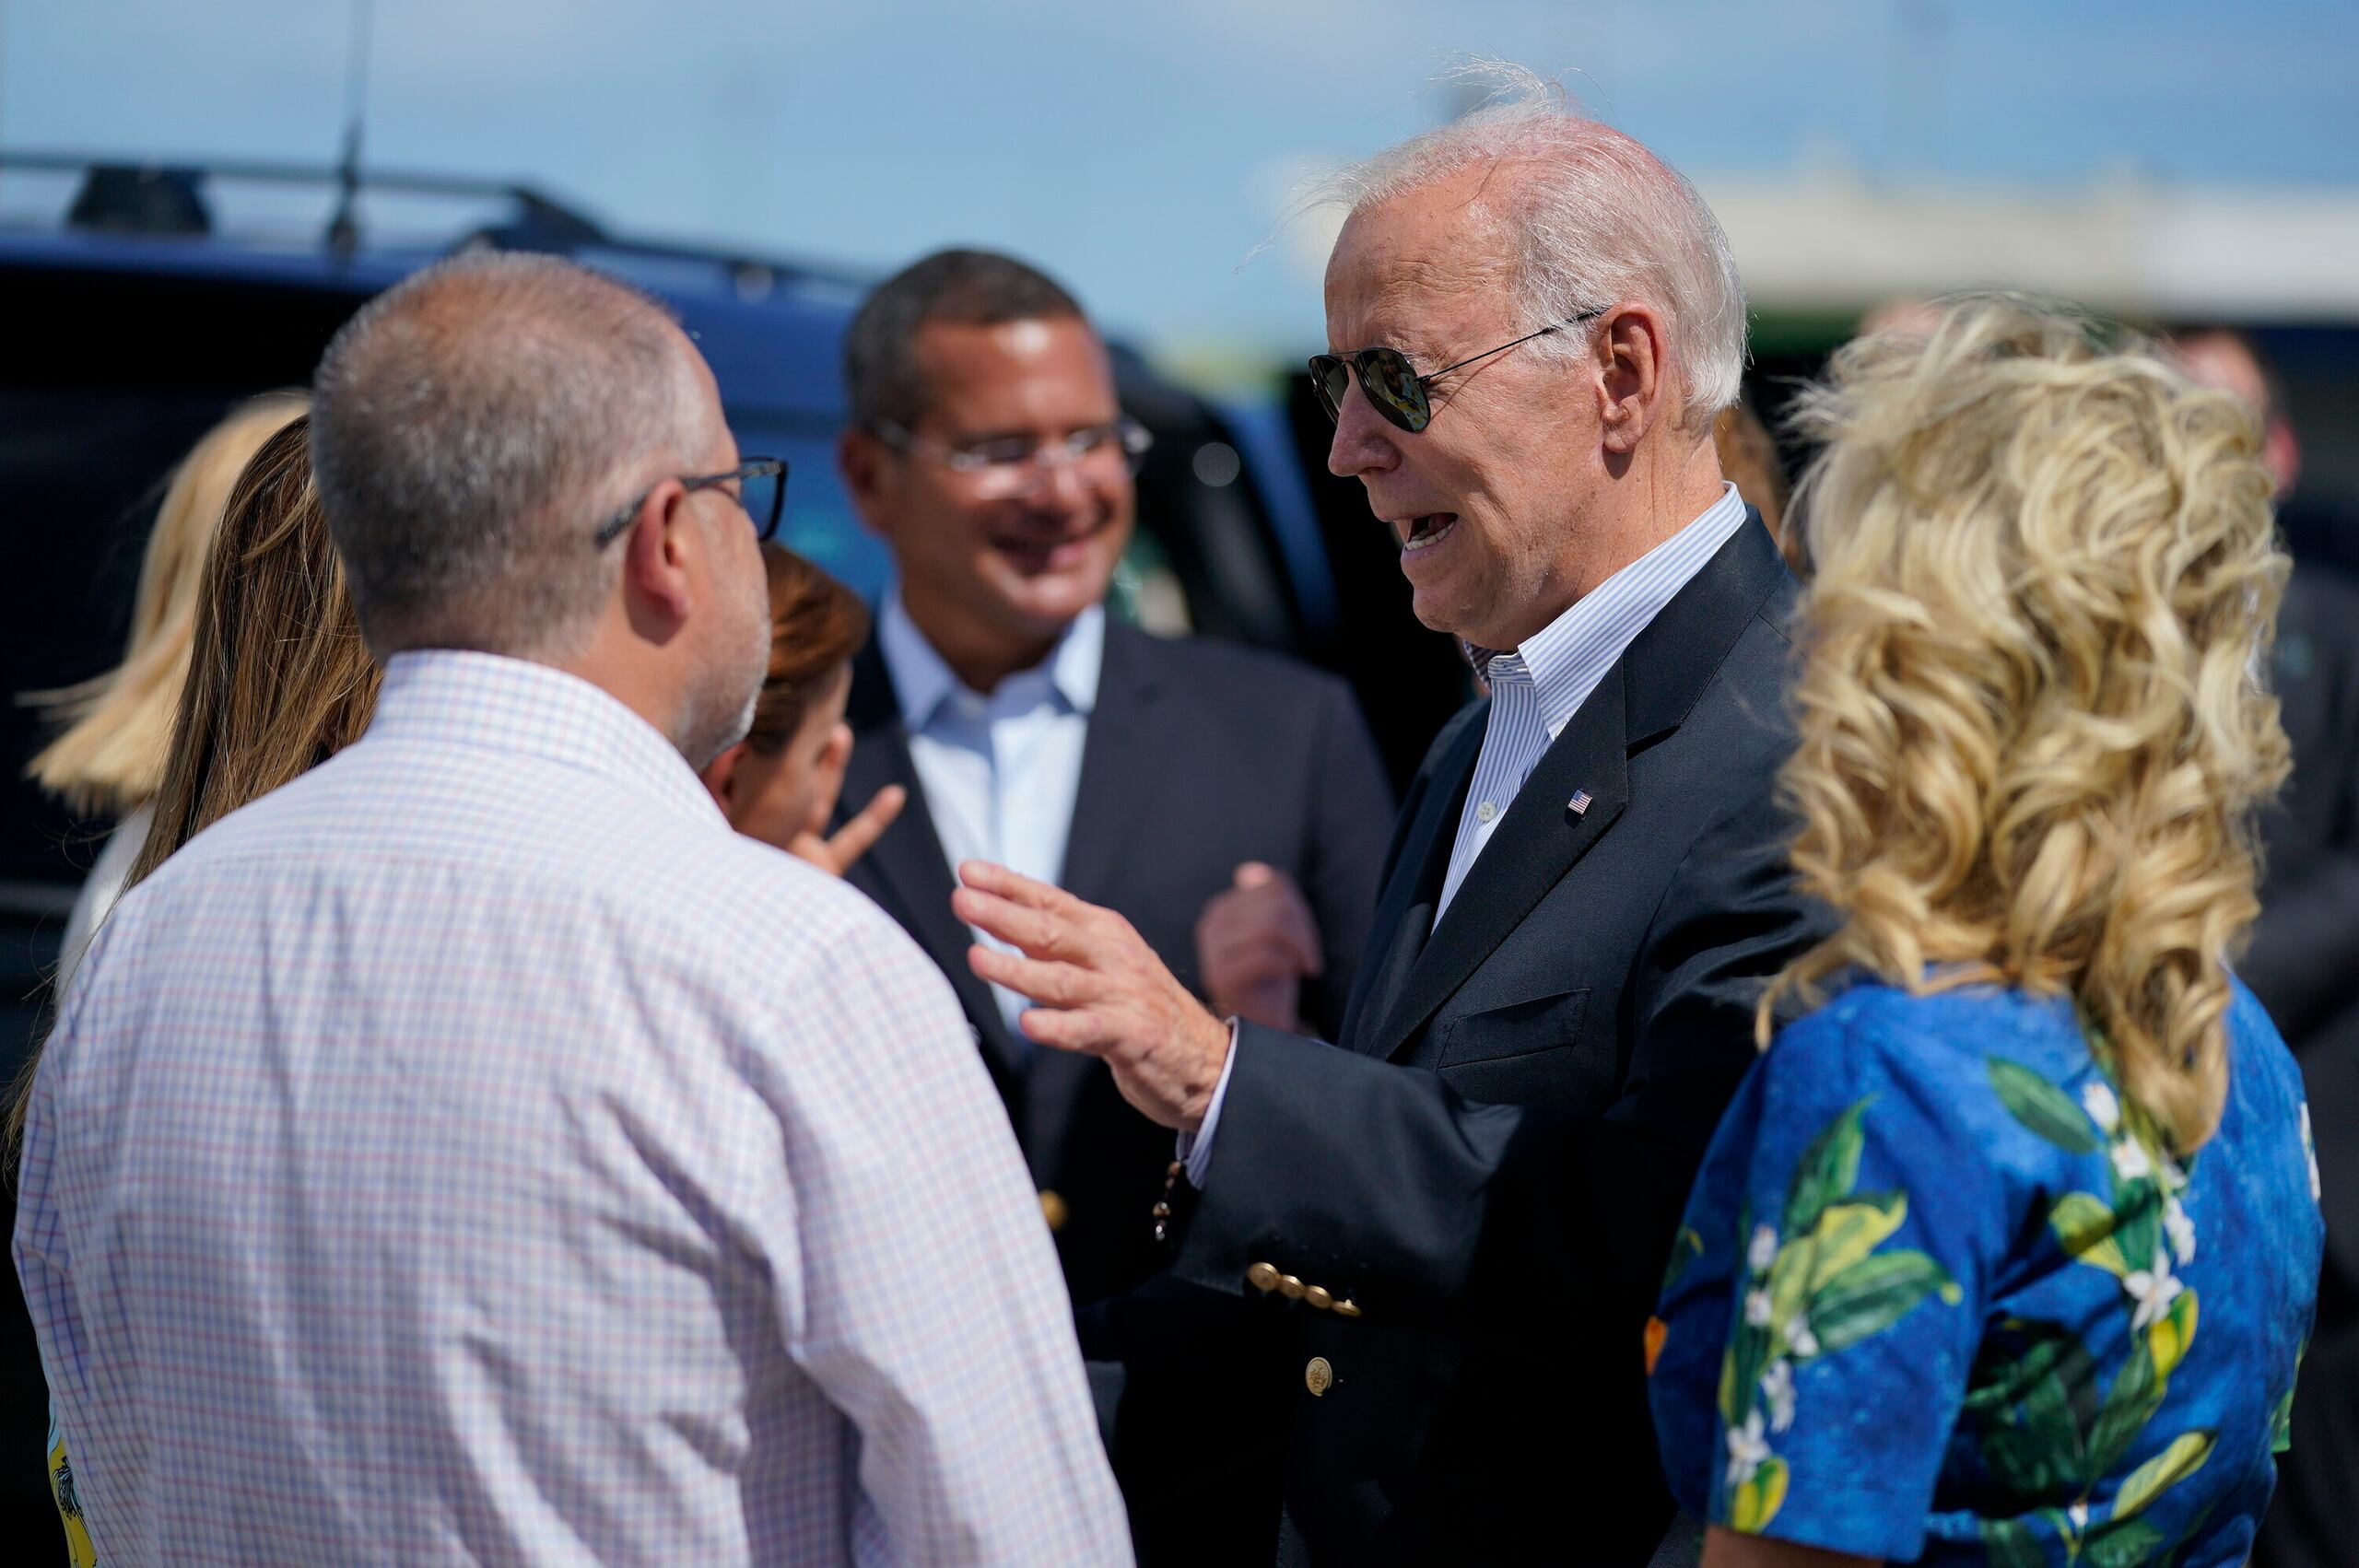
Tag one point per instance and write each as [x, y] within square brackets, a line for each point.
[1200, 755]
[2304, 965]
[1465, 1206]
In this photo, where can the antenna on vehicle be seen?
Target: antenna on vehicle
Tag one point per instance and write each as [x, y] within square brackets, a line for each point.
[343, 228]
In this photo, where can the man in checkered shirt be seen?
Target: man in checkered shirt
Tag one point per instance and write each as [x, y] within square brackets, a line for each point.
[474, 1152]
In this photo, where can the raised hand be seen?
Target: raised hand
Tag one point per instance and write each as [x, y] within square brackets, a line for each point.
[1256, 943]
[1100, 990]
[835, 855]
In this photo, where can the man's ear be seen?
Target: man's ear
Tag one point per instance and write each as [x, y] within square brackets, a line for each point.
[720, 775]
[657, 553]
[870, 476]
[1634, 371]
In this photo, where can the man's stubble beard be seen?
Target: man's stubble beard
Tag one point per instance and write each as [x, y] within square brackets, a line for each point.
[722, 713]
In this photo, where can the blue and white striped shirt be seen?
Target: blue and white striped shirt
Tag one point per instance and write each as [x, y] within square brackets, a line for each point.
[1536, 690]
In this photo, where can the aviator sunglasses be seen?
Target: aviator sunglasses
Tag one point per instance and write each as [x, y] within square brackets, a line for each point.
[1393, 387]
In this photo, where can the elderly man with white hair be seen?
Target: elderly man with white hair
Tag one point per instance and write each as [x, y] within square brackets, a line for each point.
[1460, 1210]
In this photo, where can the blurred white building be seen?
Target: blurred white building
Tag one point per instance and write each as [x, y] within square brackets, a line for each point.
[1836, 242]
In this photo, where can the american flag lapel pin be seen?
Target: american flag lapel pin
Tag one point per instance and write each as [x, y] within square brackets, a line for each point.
[1579, 805]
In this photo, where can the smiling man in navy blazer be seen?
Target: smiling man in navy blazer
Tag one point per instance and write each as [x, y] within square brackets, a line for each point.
[1462, 1211]
[1205, 791]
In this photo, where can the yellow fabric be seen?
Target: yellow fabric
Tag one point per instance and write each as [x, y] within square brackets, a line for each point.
[79, 1553]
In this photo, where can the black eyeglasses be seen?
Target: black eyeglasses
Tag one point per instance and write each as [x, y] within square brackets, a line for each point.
[761, 491]
[1393, 387]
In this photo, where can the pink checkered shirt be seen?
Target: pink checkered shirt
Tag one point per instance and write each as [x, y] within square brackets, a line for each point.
[476, 1153]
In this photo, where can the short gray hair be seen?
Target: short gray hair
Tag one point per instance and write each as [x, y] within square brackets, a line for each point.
[1592, 217]
[470, 429]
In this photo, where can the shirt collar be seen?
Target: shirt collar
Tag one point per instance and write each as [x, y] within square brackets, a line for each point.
[449, 696]
[922, 681]
[1567, 657]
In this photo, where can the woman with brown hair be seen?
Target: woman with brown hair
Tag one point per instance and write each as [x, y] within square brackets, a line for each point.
[2006, 1250]
[780, 782]
[280, 680]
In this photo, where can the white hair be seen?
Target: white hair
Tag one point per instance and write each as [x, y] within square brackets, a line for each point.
[1592, 218]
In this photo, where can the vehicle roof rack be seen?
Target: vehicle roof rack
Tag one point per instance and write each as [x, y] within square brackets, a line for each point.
[118, 199]
[127, 195]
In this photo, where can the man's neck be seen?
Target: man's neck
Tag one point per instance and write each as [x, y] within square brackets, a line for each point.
[1663, 496]
[981, 657]
[625, 672]
[1649, 507]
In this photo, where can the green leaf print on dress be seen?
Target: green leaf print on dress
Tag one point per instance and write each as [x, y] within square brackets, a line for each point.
[1975, 1143]
[2041, 1106]
[1819, 1290]
[2046, 1437]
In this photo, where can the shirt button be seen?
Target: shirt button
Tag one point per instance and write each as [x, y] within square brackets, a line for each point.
[1485, 812]
[1318, 1377]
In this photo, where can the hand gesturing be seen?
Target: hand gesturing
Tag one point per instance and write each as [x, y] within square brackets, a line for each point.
[1100, 990]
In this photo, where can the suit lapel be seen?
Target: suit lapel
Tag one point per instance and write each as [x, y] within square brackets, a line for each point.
[1406, 906]
[907, 872]
[1646, 694]
[1535, 843]
[1122, 763]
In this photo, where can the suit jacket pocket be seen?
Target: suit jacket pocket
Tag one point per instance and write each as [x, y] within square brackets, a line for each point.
[1520, 1028]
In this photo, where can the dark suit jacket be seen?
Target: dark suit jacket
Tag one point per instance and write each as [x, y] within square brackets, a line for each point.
[2303, 965]
[2304, 960]
[1491, 1167]
[1200, 755]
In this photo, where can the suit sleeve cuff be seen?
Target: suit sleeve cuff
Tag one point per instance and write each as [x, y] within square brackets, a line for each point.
[1196, 1148]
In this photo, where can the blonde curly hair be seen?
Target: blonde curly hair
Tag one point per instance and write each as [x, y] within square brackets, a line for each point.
[2031, 737]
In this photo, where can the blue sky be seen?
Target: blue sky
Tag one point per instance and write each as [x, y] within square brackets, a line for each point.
[1141, 150]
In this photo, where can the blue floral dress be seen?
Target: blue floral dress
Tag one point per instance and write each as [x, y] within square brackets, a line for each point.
[1942, 1297]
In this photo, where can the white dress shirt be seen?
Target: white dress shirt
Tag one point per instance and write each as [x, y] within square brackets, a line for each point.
[476, 1153]
[999, 772]
[1535, 691]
